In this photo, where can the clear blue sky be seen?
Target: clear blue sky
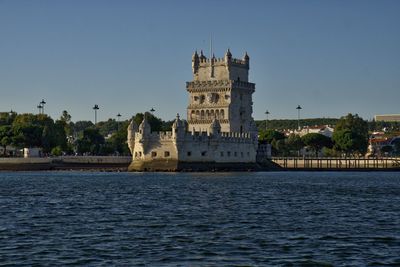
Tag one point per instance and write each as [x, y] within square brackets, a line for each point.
[331, 57]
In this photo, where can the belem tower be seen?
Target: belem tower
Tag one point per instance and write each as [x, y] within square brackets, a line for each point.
[220, 132]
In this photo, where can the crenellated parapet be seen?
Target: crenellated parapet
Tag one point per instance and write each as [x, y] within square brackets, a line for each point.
[203, 61]
[223, 68]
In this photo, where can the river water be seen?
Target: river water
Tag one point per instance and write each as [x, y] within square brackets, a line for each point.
[200, 219]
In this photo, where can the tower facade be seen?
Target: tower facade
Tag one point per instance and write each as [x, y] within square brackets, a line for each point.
[220, 89]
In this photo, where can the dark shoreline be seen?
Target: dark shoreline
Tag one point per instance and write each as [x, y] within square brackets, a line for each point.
[105, 167]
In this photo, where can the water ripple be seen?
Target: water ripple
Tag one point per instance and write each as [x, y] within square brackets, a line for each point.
[199, 219]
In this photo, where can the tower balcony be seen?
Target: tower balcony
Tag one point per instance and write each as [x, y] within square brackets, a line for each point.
[200, 86]
[206, 121]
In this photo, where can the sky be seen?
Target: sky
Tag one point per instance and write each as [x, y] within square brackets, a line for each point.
[330, 57]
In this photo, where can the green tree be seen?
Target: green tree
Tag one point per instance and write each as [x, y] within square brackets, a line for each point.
[90, 141]
[80, 126]
[118, 140]
[396, 144]
[316, 141]
[65, 120]
[294, 143]
[31, 130]
[351, 135]
[5, 137]
[280, 147]
[388, 149]
[156, 123]
[107, 127]
[270, 135]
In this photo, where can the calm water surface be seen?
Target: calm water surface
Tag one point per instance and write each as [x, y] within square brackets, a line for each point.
[199, 219]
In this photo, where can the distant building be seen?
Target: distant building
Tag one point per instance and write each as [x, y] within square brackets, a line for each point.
[388, 117]
[320, 129]
[10, 151]
[32, 152]
[378, 140]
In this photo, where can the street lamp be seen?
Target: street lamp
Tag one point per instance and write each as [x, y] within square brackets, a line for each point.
[152, 111]
[10, 115]
[298, 117]
[95, 108]
[39, 108]
[42, 104]
[266, 113]
[118, 116]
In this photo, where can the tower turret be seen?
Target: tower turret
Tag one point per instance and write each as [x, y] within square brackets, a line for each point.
[144, 127]
[195, 62]
[228, 56]
[132, 129]
[246, 59]
[202, 56]
[178, 127]
[215, 127]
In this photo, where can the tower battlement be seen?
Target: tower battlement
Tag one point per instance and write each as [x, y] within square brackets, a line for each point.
[226, 68]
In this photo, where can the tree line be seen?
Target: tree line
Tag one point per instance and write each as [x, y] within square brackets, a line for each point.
[65, 137]
[350, 137]
[286, 124]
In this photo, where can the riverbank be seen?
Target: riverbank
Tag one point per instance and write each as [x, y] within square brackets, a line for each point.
[121, 164]
[337, 164]
[84, 163]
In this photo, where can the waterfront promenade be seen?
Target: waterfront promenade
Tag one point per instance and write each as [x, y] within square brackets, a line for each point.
[332, 163]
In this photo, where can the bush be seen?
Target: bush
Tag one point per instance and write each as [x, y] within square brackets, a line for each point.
[56, 151]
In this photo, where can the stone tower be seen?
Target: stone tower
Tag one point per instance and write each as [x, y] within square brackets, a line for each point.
[220, 90]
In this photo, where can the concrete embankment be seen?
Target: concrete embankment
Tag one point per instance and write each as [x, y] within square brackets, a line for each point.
[106, 163]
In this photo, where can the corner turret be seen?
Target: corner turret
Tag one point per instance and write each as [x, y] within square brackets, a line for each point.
[178, 127]
[144, 127]
[132, 129]
[246, 59]
[202, 56]
[215, 127]
[195, 62]
[228, 56]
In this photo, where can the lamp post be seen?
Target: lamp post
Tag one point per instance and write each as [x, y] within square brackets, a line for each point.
[95, 108]
[298, 116]
[40, 108]
[266, 113]
[42, 104]
[10, 115]
[118, 116]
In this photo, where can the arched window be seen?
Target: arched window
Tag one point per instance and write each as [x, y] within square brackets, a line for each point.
[197, 114]
[217, 114]
[192, 115]
[222, 114]
[202, 115]
[212, 114]
[207, 114]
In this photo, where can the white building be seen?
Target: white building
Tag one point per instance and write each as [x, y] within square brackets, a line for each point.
[321, 129]
[220, 133]
[388, 117]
